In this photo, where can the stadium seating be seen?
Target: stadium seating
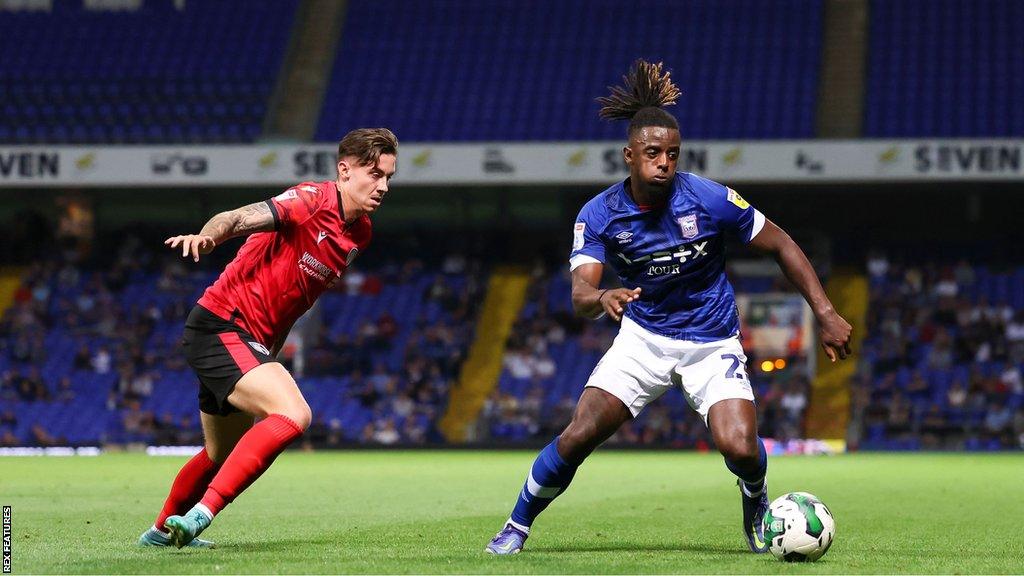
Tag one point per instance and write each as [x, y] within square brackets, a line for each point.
[462, 70]
[964, 335]
[945, 68]
[155, 75]
[98, 410]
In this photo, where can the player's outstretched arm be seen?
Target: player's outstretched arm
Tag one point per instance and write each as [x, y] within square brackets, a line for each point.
[835, 330]
[223, 226]
[590, 301]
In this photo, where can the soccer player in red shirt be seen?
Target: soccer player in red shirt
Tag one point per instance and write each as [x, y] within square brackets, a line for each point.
[300, 243]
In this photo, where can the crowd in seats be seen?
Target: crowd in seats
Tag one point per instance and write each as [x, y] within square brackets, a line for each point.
[464, 70]
[551, 353]
[166, 72]
[90, 354]
[943, 359]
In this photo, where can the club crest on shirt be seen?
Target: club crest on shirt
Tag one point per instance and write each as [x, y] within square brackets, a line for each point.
[688, 225]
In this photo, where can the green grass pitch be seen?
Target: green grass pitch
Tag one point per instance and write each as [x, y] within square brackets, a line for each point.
[433, 512]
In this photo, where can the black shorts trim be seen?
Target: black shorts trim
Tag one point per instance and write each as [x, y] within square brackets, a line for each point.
[220, 353]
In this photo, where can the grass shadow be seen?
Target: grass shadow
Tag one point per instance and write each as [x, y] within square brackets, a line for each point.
[638, 547]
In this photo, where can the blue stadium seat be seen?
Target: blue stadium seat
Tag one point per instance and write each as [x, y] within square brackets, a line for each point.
[945, 68]
[147, 58]
[530, 70]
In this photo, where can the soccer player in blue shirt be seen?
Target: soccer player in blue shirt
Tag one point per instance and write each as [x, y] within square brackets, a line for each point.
[663, 232]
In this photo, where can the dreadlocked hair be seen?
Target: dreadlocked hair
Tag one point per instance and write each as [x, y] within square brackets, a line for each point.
[645, 91]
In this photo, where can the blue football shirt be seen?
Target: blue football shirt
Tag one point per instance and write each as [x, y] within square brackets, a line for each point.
[675, 254]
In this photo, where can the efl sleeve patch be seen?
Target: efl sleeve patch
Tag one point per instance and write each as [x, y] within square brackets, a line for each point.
[738, 200]
[286, 195]
[577, 235]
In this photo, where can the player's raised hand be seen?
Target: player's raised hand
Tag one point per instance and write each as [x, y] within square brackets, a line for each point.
[614, 301]
[192, 244]
[835, 336]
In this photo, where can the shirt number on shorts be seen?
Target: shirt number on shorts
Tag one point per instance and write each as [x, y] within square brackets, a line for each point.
[733, 371]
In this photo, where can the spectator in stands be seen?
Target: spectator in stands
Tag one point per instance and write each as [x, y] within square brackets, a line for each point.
[998, 420]
[188, 432]
[1018, 427]
[335, 432]
[543, 366]
[8, 386]
[402, 405]
[8, 439]
[316, 434]
[385, 432]
[877, 265]
[956, 398]
[41, 437]
[102, 360]
[65, 391]
[137, 424]
[1015, 337]
[387, 328]
[353, 281]
[173, 277]
[518, 364]
[68, 275]
[164, 429]
[414, 431]
[454, 263]
[918, 388]
[365, 391]
[83, 360]
[900, 417]
[142, 384]
[794, 401]
[440, 292]
[381, 380]
[31, 387]
[533, 405]
[933, 426]
[941, 355]
[595, 337]
[22, 349]
[9, 419]
[964, 274]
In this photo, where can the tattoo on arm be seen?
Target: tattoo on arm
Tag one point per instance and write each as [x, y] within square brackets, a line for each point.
[255, 217]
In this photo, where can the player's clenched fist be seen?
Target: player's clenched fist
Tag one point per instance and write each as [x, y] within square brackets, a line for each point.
[194, 244]
[614, 301]
[835, 336]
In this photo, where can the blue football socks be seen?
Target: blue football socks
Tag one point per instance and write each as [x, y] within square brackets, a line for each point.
[548, 478]
[752, 476]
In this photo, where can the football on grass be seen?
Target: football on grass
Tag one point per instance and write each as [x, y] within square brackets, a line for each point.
[798, 527]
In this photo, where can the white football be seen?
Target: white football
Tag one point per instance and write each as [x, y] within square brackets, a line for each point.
[798, 527]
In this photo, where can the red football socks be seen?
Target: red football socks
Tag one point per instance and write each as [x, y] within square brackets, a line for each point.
[253, 454]
[188, 487]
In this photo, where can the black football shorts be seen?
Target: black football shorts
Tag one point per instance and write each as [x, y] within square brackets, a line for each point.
[220, 352]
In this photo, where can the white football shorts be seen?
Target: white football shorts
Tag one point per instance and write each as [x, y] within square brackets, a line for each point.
[641, 366]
